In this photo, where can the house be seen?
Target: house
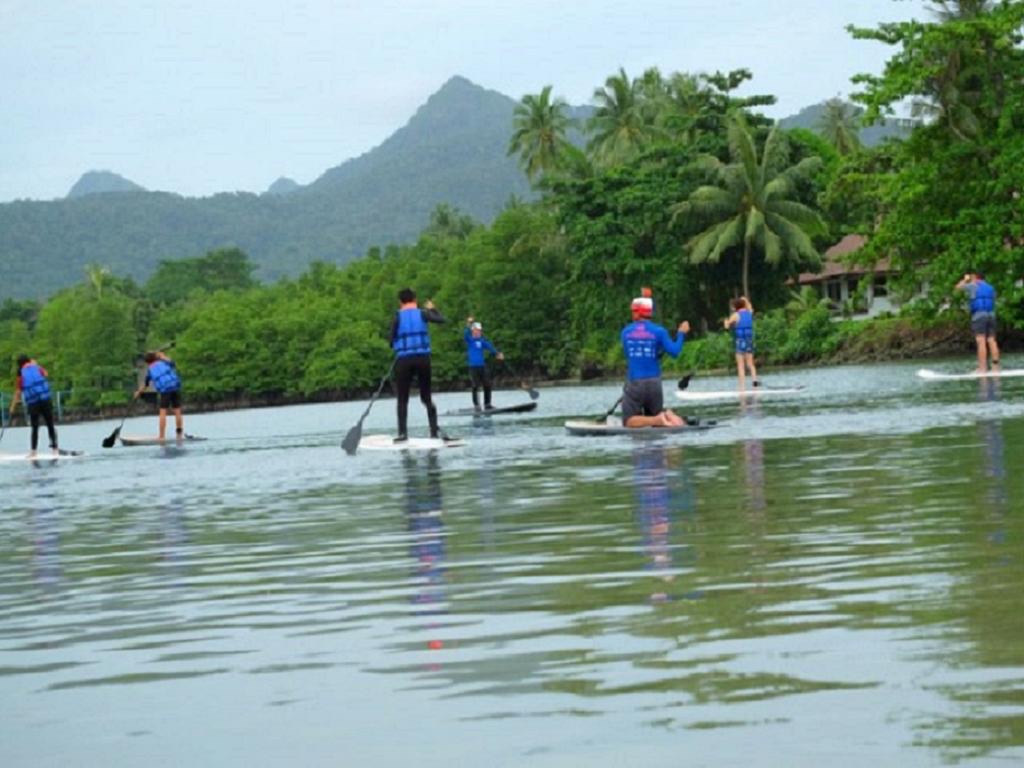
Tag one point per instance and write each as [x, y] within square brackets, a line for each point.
[838, 282]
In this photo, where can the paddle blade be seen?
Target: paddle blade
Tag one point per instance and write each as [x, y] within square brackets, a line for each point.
[351, 442]
[534, 394]
[685, 381]
[110, 440]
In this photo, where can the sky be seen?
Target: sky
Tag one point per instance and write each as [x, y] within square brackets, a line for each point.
[205, 96]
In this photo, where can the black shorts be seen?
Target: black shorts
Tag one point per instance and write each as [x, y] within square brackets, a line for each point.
[170, 399]
[642, 397]
[983, 324]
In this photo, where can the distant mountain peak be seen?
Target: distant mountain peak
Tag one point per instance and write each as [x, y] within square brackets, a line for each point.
[283, 186]
[101, 182]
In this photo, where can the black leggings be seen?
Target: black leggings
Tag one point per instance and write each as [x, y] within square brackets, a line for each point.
[480, 377]
[405, 369]
[44, 409]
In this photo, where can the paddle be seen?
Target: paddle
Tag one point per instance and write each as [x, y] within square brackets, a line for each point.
[534, 394]
[610, 411]
[351, 441]
[685, 381]
[111, 439]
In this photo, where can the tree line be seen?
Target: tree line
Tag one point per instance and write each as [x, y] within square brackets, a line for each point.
[680, 184]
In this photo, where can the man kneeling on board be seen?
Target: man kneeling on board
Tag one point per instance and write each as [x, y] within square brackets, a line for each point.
[644, 343]
[163, 375]
[32, 385]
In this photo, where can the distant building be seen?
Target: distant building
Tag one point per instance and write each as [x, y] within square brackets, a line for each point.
[838, 282]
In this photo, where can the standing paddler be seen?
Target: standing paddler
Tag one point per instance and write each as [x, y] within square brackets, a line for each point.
[33, 385]
[644, 342]
[477, 345]
[983, 318]
[410, 338]
[742, 323]
[162, 373]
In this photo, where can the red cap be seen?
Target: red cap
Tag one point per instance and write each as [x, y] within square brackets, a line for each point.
[642, 306]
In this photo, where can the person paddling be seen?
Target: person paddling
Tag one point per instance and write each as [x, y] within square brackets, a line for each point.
[163, 375]
[410, 338]
[742, 323]
[476, 347]
[33, 386]
[983, 318]
[643, 343]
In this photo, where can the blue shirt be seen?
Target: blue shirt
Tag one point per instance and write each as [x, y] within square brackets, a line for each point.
[475, 348]
[644, 343]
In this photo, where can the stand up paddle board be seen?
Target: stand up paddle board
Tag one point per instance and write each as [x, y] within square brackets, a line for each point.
[45, 455]
[735, 394]
[583, 428]
[137, 440]
[930, 375]
[387, 443]
[521, 408]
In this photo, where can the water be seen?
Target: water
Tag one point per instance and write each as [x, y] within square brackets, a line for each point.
[831, 578]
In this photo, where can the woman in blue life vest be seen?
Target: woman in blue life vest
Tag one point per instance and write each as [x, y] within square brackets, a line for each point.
[643, 343]
[163, 375]
[33, 386]
[983, 318]
[410, 338]
[742, 323]
[477, 346]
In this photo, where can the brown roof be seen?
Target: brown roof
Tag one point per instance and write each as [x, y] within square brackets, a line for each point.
[833, 265]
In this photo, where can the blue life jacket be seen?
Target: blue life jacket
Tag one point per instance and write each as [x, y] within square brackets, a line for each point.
[34, 386]
[984, 298]
[164, 377]
[745, 324]
[412, 336]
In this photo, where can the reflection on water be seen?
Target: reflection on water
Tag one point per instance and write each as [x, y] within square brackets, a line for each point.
[530, 600]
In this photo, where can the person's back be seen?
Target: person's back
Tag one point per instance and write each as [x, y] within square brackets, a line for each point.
[982, 297]
[643, 343]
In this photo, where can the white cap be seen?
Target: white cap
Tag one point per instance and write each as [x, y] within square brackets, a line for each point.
[476, 327]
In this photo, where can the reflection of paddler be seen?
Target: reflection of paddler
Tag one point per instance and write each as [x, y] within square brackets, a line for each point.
[426, 526]
[753, 465]
[657, 501]
[45, 534]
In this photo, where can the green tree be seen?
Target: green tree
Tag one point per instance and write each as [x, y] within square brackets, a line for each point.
[623, 123]
[840, 125]
[540, 125]
[225, 269]
[752, 206]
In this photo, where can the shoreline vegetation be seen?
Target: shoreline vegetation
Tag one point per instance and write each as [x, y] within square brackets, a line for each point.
[674, 182]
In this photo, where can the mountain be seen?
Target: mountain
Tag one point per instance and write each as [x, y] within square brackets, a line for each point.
[99, 182]
[283, 186]
[452, 150]
[870, 136]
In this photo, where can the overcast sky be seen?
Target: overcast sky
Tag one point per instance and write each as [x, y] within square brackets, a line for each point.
[204, 96]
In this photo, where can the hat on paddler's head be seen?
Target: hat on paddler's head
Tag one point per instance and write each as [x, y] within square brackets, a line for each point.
[642, 306]
[476, 327]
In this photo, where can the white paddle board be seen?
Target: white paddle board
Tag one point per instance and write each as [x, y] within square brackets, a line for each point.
[137, 440]
[387, 443]
[584, 428]
[735, 394]
[45, 455]
[930, 375]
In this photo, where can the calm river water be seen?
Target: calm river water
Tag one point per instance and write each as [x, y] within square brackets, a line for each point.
[835, 577]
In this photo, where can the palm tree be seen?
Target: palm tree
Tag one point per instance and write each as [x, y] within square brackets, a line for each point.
[97, 276]
[803, 301]
[752, 204]
[540, 133]
[623, 122]
[839, 125]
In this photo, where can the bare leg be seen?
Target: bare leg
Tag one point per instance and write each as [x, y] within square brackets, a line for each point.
[645, 421]
[750, 364]
[982, 354]
[163, 422]
[179, 422]
[993, 351]
[739, 370]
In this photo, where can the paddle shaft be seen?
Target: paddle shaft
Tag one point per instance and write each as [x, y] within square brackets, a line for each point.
[534, 394]
[351, 441]
[380, 389]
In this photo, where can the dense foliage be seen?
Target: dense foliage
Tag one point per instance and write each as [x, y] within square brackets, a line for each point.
[684, 187]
